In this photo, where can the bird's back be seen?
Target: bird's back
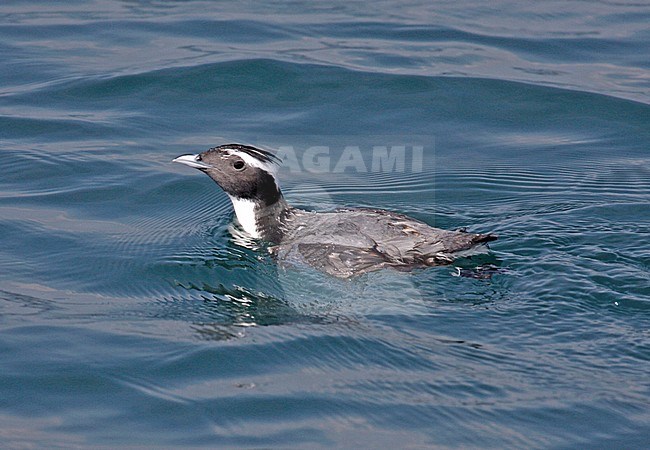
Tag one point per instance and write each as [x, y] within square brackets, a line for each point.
[349, 242]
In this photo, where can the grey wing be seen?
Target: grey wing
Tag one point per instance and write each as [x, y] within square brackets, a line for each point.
[336, 260]
[413, 242]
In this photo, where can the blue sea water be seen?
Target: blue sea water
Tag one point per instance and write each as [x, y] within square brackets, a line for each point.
[131, 317]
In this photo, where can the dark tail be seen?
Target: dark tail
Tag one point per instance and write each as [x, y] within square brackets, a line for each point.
[482, 238]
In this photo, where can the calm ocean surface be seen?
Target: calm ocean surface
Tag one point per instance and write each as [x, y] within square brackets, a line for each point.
[130, 317]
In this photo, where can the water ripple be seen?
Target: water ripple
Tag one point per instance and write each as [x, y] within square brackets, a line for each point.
[130, 315]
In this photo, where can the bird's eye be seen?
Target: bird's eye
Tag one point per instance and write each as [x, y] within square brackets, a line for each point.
[239, 165]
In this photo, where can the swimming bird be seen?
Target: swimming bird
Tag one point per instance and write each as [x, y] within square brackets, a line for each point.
[343, 243]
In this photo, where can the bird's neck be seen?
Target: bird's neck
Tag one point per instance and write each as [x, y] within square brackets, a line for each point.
[260, 219]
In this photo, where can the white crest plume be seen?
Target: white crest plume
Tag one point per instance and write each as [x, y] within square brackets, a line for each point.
[254, 157]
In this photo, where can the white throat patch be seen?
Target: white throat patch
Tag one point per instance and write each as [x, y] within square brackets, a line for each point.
[246, 215]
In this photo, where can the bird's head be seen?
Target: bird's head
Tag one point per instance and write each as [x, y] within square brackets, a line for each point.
[242, 171]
